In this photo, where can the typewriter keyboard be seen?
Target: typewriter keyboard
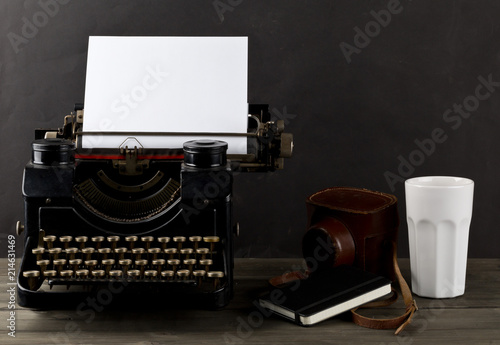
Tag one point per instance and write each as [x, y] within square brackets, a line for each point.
[82, 260]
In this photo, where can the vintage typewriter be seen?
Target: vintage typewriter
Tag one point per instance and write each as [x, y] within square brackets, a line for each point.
[133, 222]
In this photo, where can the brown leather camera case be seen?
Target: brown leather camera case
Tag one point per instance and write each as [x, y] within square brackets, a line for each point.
[354, 226]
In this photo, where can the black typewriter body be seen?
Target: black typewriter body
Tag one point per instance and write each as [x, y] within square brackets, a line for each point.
[133, 226]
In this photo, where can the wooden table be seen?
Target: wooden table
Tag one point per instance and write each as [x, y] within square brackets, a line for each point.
[470, 319]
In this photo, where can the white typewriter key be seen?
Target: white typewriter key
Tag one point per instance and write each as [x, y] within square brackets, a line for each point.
[171, 252]
[151, 274]
[131, 240]
[58, 265]
[113, 240]
[43, 265]
[97, 241]
[215, 275]
[189, 264]
[134, 274]
[158, 263]
[98, 273]
[141, 265]
[75, 263]
[196, 240]
[50, 273]
[147, 241]
[212, 240]
[174, 263]
[82, 274]
[186, 252]
[183, 274]
[104, 253]
[115, 274]
[38, 252]
[125, 263]
[81, 240]
[49, 240]
[138, 253]
[120, 253]
[179, 240]
[163, 241]
[71, 253]
[107, 263]
[202, 253]
[168, 274]
[65, 240]
[87, 253]
[54, 253]
[207, 263]
[66, 274]
[199, 274]
[32, 278]
[91, 264]
[153, 253]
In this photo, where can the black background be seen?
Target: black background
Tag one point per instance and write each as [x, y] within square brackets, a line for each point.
[353, 121]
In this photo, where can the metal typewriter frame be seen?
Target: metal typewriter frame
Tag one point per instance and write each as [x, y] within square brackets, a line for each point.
[268, 146]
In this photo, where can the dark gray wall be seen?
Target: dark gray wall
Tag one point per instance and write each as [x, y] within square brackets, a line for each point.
[356, 114]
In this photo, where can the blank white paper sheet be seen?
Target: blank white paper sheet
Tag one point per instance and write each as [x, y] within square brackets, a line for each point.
[166, 84]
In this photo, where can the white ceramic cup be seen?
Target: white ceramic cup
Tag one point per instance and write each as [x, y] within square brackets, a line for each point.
[439, 212]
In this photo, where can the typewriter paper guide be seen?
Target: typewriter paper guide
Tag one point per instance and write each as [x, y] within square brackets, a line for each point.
[166, 84]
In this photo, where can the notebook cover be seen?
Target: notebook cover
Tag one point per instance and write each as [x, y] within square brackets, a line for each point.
[327, 289]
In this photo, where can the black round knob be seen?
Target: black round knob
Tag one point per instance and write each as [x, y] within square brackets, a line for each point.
[205, 153]
[53, 151]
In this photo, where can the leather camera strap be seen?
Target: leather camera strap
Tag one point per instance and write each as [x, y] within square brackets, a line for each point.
[399, 322]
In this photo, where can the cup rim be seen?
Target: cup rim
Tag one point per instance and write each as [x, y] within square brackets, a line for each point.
[439, 182]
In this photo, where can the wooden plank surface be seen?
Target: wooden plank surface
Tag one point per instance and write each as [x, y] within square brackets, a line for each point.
[470, 319]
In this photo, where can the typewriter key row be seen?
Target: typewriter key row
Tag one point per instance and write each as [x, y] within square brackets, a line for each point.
[129, 242]
[120, 253]
[62, 271]
[124, 265]
[210, 279]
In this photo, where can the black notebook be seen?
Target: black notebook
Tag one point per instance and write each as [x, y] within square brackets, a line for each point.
[325, 294]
